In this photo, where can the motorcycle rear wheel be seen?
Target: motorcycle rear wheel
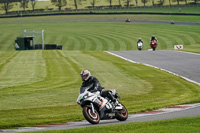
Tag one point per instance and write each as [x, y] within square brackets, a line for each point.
[122, 115]
[91, 117]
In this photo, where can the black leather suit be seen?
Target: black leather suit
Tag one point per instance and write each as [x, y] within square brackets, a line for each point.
[94, 85]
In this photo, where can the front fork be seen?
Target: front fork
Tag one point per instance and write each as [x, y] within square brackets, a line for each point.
[92, 108]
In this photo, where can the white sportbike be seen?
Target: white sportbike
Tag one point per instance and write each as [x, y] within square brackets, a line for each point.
[96, 107]
[139, 45]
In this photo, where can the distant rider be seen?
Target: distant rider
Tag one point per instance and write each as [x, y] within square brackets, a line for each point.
[153, 44]
[140, 40]
[94, 85]
[153, 38]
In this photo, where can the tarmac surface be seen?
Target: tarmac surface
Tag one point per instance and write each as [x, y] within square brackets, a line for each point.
[137, 21]
[166, 22]
[119, 21]
[183, 64]
[143, 21]
[186, 65]
[187, 110]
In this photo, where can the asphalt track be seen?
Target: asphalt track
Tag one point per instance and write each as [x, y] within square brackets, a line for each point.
[186, 65]
[188, 110]
[121, 21]
[166, 22]
[140, 21]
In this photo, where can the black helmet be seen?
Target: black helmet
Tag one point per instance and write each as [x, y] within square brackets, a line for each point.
[85, 74]
[153, 37]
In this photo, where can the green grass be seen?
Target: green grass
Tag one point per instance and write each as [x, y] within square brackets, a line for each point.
[192, 48]
[194, 10]
[180, 125]
[73, 35]
[83, 5]
[150, 10]
[53, 98]
[79, 18]
[41, 87]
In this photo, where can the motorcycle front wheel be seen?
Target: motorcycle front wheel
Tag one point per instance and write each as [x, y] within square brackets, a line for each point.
[121, 115]
[91, 117]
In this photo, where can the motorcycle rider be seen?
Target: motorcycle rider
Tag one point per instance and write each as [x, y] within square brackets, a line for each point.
[153, 45]
[94, 86]
[153, 38]
[139, 40]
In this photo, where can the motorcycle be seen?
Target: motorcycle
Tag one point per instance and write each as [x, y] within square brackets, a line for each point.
[128, 20]
[153, 44]
[139, 45]
[96, 107]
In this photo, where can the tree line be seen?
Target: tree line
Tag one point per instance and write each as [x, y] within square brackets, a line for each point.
[6, 5]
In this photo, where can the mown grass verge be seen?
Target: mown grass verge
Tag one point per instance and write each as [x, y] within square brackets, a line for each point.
[52, 99]
[73, 34]
[79, 18]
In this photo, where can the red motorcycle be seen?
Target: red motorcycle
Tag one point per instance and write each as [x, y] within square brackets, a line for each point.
[153, 44]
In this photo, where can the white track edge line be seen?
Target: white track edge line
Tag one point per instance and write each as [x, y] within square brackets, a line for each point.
[197, 83]
[186, 52]
[165, 112]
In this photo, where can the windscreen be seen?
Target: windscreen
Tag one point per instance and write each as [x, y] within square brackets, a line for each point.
[82, 89]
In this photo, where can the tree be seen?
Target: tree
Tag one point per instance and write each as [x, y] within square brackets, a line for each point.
[185, 2]
[162, 2]
[120, 3]
[128, 3]
[144, 1]
[169, 2]
[93, 2]
[6, 5]
[24, 4]
[136, 2]
[153, 3]
[59, 3]
[178, 2]
[75, 4]
[33, 3]
[110, 2]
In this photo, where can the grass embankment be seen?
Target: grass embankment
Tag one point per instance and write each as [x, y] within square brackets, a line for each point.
[193, 10]
[84, 4]
[75, 35]
[144, 10]
[41, 87]
[52, 99]
[181, 125]
[85, 18]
